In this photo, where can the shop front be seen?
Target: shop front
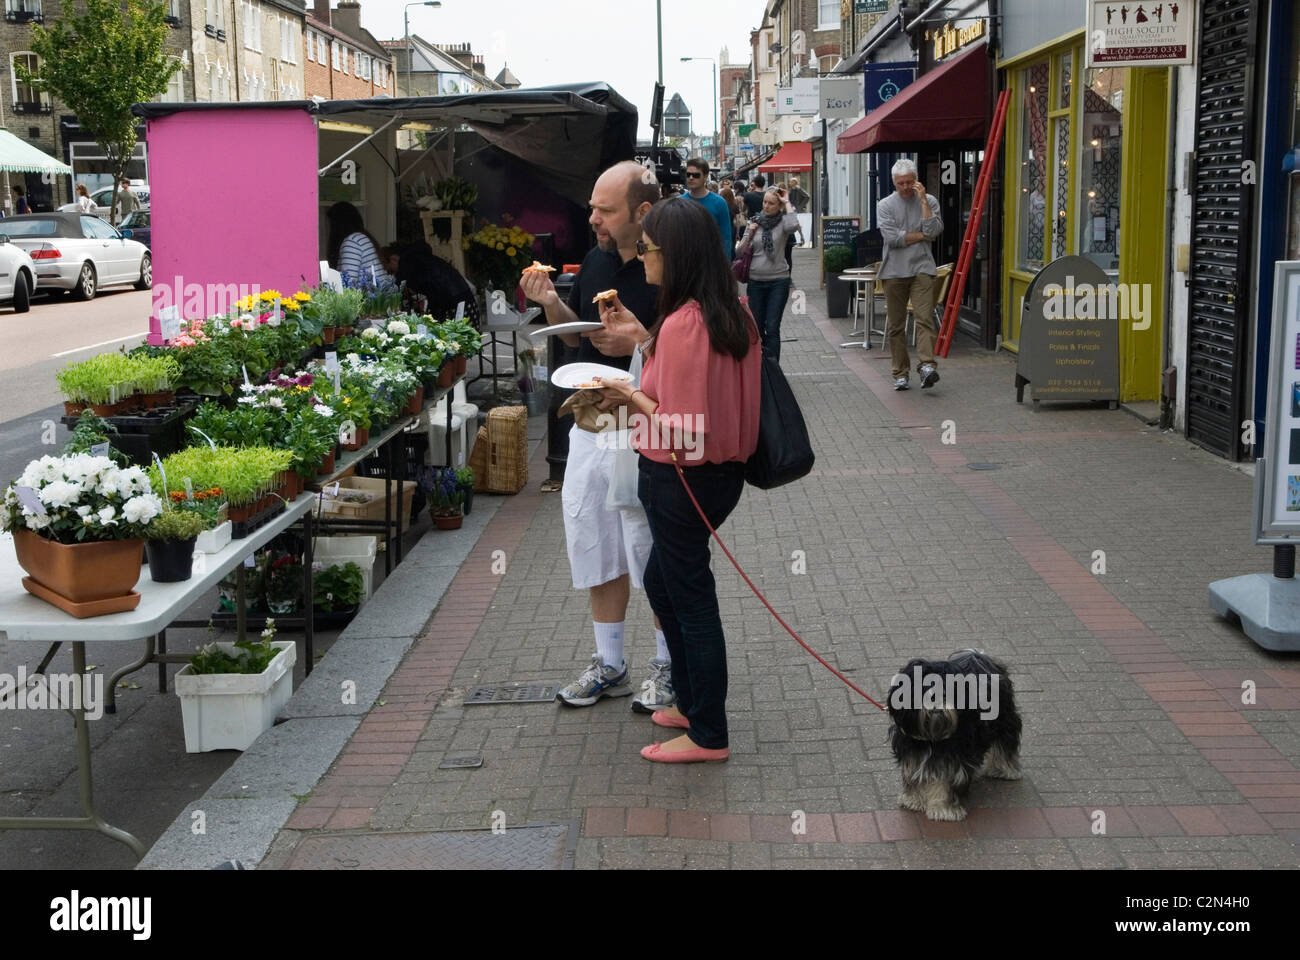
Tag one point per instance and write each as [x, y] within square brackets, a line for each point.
[1086, 171]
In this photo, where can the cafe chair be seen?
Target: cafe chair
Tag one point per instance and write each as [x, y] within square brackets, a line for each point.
[944, 275]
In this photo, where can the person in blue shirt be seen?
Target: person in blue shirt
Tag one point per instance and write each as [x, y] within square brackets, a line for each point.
[697, 184]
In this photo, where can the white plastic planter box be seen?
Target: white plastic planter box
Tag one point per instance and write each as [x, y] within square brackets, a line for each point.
[228, 711]
[336, 551]
[214, 540]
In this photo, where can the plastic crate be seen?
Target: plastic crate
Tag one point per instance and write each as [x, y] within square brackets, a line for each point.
[333, 509]
[336, 551]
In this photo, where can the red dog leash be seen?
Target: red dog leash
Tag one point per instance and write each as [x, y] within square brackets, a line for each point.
[760, 596]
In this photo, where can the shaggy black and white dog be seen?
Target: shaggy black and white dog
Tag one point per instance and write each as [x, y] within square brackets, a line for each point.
[953, 721]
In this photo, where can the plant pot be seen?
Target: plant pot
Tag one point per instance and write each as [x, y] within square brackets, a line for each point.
[448, 522]
[446, 375]
[327, 334]
[838, 295]
[171, 561]
[71, 409]
[326, 466]
[214, 540]
[241, 514]
[228, 711]
[415, 402]
[360, 438]
[469, 499]
[462, 365]
[81, 573]
[105, 409]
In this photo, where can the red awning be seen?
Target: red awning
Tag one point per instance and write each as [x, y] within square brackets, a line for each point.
[792, 158]
[948, 103]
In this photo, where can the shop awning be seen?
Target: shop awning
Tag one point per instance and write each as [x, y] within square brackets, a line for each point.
[17, 156]
[946, 104]
[791, 158]
[756, 162]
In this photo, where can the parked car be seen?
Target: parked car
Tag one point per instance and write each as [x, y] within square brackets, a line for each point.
[104, 196]
[17, 276]
[136, 227]
[80, 253]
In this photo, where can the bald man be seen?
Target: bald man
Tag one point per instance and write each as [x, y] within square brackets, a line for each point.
[608, 549]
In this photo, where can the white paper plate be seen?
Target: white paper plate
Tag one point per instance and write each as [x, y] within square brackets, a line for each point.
[581, 326]
[572, 374]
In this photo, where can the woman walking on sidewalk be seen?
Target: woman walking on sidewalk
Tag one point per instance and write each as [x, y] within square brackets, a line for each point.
[769, 274]
[699, 389]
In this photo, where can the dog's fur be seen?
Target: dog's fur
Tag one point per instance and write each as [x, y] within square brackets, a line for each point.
[940, 752]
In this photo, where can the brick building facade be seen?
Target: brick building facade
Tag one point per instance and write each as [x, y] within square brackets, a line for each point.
[342, 60]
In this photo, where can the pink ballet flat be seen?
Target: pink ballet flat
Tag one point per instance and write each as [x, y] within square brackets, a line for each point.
[680, 723]
[696, 755]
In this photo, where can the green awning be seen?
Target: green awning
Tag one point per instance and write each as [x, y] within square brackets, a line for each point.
[16, 156]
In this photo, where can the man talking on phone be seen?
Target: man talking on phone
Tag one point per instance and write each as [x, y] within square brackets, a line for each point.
[909, 222]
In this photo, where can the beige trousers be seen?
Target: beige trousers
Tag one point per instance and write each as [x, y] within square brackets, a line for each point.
[920, 289]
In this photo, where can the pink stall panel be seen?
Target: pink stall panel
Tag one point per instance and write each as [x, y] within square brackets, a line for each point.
[233, 197]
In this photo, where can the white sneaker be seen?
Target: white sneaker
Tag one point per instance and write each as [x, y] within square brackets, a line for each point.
[900, 383]
[596, 681]
[657, 689]
[929, 376]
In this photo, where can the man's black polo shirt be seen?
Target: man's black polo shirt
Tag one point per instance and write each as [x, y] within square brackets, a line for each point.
[605, 270]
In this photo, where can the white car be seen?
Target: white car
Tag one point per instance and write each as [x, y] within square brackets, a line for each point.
[104, 196]
[17, 275]
[80, 253]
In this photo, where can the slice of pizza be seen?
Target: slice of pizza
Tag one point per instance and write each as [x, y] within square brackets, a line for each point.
[538, 267]
[604, 295]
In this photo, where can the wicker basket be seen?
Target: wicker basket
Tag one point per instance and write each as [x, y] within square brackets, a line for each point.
[500, 455]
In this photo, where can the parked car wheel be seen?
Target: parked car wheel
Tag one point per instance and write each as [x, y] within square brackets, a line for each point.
[86, 283]
[146, 273]
[22, 293]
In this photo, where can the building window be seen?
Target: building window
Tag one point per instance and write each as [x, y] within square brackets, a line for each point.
[175, 92]
[1099, 167]
[216, 15]
[310, 40]
[252, 27]
[24, 11]
[286, 42]
[363, 60]
[334, 52]
[1033, 167]
[828, 14]
[321, 56]
[27, 98]
[173, 13]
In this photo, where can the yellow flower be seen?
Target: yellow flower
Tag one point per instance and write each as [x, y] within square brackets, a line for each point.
[510, 251]
[501, 246]
[289, 304]
[464, 244]
[302, 296]
[270, 295]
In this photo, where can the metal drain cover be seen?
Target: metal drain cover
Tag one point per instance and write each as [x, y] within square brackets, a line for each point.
[982, 466]
[513, 693]
[534, 847]
[461, 763]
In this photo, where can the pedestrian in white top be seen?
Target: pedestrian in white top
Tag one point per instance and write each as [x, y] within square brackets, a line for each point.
[352, 251]
[909, 222]
[84, 203]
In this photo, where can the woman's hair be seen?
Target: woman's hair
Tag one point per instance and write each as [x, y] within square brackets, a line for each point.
[17, 188]
[344, 220]
[694, 268]
[82, 191]
[730, 197]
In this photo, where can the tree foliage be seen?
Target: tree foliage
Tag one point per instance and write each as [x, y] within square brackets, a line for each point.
[99, 63]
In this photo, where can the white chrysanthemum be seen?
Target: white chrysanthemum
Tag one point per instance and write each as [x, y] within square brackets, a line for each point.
[399, 328]
[109, 487]
[108, 516]
[323, 410]
[247, 399]
[60, 493]
[370, 333]
[275, 402]
[84, 511]
[142, 509]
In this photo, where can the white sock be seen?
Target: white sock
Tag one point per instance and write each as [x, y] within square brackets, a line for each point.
[609, 642]
[662, 644]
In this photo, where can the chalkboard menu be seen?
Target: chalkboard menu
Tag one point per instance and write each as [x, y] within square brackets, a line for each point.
[838, 232]
[1069, 334]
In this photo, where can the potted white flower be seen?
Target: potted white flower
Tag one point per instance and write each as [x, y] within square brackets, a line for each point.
[231, 692]
[79, 524]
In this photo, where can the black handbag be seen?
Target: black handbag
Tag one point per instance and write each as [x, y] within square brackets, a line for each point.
[784, 453]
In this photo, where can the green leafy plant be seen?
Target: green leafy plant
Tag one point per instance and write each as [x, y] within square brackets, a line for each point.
[456, 194]
[243, 473]
[249, 656]
[465, 477]
[91, 431]
[174, 524]
[836, 260]
[338, 587]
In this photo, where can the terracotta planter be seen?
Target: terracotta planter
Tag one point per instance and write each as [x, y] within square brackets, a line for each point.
[242, 513]
[415, 402]
[446, 375]
[326, 466]
[327, 334]
[105, 409]
[82, 572]
[73, 409]
[462, 365]
[448, 523]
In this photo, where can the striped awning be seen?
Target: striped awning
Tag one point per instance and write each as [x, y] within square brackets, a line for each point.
[17, 156]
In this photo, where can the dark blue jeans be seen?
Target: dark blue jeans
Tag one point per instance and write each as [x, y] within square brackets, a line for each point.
[767, 299]
[680, 586]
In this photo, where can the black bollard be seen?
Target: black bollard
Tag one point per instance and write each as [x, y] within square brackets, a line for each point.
[1284, 561]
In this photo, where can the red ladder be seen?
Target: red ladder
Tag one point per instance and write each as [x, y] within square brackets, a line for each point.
[958, 286]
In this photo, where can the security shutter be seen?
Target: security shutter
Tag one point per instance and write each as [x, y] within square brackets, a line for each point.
[1218, 323]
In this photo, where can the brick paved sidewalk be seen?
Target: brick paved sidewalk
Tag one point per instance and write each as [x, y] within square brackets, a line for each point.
[1129, 685]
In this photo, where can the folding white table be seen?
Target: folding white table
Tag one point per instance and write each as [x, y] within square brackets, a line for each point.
[24, 617]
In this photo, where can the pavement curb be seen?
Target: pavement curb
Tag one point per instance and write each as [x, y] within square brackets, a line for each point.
[244, 811]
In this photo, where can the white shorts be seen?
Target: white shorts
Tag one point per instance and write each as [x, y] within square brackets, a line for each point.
[603, 544]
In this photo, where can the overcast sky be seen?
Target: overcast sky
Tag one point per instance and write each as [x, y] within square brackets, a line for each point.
[569, 41]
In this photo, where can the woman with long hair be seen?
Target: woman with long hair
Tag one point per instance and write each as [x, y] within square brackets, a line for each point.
[352, 251]
[697, 408]
[769, 273]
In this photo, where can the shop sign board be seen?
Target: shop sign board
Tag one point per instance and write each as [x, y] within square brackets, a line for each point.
[957, 37]
[1277, 487]
[1122, 33]
[802, 98]
[841, 98]
[1069, 334]
[884, 81]
[870, 6]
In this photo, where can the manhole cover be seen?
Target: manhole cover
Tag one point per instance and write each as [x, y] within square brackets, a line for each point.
[513, 693]
[460, 763]
[982, 466]
[534, 847]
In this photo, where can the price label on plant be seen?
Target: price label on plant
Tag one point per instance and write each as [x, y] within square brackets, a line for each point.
[275, 310]
[189, 489]
[250, 561]
[421, 330]
[337, 388]
[331, 361]
[460, 311]
[247, 382]
[99, 449]
[170, 320]
[540, 373]
[28, 498]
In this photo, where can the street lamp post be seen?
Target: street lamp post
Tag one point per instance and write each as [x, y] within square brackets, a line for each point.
[406, 31]
[713, 113]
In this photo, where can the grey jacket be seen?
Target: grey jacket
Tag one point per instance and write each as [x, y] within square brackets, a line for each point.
[898, 217]
[774, 267]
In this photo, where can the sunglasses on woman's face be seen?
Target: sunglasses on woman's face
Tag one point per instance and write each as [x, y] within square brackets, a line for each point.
[642, 248]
